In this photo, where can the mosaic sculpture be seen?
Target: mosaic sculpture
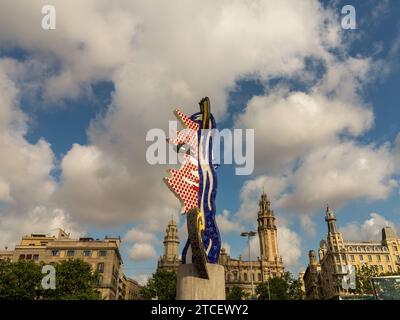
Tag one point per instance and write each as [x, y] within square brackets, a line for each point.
[195, 185]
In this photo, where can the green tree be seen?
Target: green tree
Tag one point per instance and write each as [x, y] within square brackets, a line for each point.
[19, 280]
[236, 293]
[284, 287]
[162, 285]
[22, 280]
[74, 281]
[363, 278]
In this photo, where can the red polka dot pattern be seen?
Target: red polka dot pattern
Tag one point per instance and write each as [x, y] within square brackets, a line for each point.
[185, 182]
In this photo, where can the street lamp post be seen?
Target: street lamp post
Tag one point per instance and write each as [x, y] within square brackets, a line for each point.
[250, 234]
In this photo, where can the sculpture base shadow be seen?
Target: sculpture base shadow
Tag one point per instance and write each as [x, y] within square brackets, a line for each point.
[191, 287]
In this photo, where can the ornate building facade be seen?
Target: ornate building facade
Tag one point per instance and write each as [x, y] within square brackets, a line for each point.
[237, 271]
[323, 277]
[102, 255]
[268, 264]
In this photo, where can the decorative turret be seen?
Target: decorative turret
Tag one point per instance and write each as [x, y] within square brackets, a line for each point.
[312, 257]
[171, 241]
[267, 230]
[330, 218]
[170, 259]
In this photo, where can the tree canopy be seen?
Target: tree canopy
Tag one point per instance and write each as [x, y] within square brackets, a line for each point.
[22, 280]
[284, 287]
[19, 280]
[364, 274]
[236, 293]
[74, 281]
[161, 286]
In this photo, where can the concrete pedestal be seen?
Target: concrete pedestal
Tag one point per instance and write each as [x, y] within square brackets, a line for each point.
[190, 287]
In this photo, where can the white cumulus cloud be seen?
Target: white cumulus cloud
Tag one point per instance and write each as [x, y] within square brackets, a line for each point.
[142, 251]
[370, 229]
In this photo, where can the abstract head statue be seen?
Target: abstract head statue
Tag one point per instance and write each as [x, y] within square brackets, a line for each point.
[195, 185]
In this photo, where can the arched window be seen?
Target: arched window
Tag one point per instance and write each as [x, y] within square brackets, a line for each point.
[245, 276]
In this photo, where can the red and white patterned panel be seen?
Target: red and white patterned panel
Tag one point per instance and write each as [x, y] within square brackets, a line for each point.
[185, 184]
[187, 136]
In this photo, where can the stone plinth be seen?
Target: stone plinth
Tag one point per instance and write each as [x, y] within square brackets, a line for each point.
[191, 287]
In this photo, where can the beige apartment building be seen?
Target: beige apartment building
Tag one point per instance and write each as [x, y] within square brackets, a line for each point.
[103, 255]
[323, 277]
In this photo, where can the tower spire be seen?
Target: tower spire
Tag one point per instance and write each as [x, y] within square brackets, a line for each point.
[330, 218]
[264, 204]
[267, 230]
[170, 259]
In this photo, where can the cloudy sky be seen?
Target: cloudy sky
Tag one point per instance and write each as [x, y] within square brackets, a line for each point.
[76, 104]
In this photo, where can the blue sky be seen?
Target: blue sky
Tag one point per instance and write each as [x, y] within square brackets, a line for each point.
[97, 105]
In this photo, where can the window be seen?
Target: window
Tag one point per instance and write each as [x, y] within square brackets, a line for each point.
[361, 257]
[86, 253]
[387, 258]
[70, 253]
[55, 253]
[369, 258]
[394, 247]
[245, 277]
[259, 277]
[35, 257]
[390, 268]
[100, 267]
[102, 253]
[384, 249]
[99, 280]
[352, 257]
[28, 257]
[381, 268]
[379, 258]
[398, 258]
[21, 257]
